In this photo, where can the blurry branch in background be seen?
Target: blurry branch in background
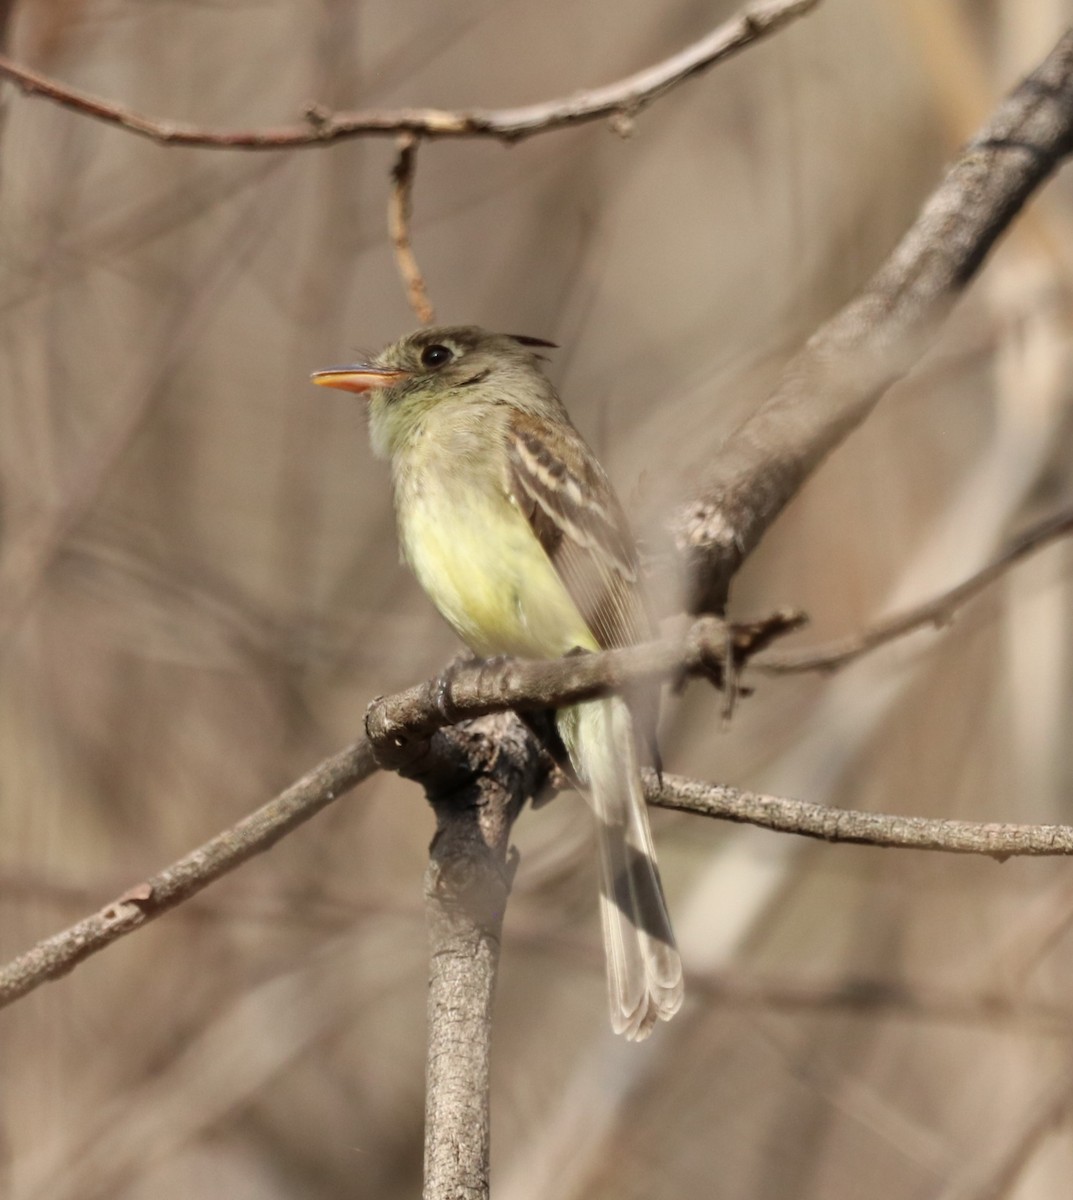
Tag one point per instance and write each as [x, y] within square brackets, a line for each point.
[620, 101]
[30, 558]
[937, 612]
[831, 385]
[398, 223]
[994, 1173]
[6, 9]
[752, 989]
[863, 994]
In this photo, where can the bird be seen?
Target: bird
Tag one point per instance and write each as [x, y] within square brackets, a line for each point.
[514, 531]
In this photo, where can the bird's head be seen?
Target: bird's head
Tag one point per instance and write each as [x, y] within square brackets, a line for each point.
[421, 371]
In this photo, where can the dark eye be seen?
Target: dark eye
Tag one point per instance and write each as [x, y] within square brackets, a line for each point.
[435, 356]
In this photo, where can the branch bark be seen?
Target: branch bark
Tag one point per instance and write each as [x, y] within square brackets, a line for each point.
[620, 101]
[479, 774]
[829, 388]
[145, 901]
[997, 840]
[475, 689]
[402, 730]
[406, 733]
[477, 777]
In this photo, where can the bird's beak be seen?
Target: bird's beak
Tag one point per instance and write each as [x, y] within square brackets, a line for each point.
[363, 377]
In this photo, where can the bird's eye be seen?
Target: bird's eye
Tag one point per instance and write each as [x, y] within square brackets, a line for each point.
[435, 356]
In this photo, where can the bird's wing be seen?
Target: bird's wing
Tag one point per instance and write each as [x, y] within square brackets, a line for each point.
[562, 490]
[570, 505]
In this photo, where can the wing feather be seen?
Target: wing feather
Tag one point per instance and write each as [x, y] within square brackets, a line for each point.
[557, 483]
[571, 507]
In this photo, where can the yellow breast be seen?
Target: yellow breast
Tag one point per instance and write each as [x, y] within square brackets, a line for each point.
[475, 555]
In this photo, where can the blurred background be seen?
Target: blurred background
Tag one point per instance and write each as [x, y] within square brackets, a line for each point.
[200, 592]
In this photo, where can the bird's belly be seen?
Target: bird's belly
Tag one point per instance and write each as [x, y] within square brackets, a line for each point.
[481, 565]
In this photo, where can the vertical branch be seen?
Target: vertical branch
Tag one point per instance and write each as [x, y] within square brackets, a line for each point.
[477, 776]
[398, 223]
[466, 888]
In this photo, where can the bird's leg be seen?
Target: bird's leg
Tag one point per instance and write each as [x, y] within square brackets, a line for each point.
[441, 687]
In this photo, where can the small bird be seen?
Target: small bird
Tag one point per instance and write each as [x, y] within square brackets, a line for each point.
[512, 528]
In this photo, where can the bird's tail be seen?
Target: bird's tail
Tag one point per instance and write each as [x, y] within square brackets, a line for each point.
[644, 970]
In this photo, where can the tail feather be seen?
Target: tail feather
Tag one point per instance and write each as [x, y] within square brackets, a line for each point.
[644, 970]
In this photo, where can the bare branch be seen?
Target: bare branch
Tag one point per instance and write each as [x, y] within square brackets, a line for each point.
[468, 690]
[398, 223]
[140, 904]
[404, 735]
[936, 612]
[835, 381]
[486, 770]
[621, 100]
[998, 840]
[407, 735]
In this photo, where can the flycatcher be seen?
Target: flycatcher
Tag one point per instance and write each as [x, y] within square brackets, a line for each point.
[512, 528]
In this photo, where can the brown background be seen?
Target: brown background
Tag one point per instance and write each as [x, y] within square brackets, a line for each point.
[199, 593]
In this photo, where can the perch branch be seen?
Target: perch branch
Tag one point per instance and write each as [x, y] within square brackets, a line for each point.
[399, 723]
[529, 685]
[404, 735]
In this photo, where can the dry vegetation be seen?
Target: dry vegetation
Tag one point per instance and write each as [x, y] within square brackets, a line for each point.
[200, 594]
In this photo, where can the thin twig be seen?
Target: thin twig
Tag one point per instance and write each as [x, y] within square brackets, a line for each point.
[937, 612]
[621, 100]
[398, 223]
[998, 840]
[139, 905]
[832, 385]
